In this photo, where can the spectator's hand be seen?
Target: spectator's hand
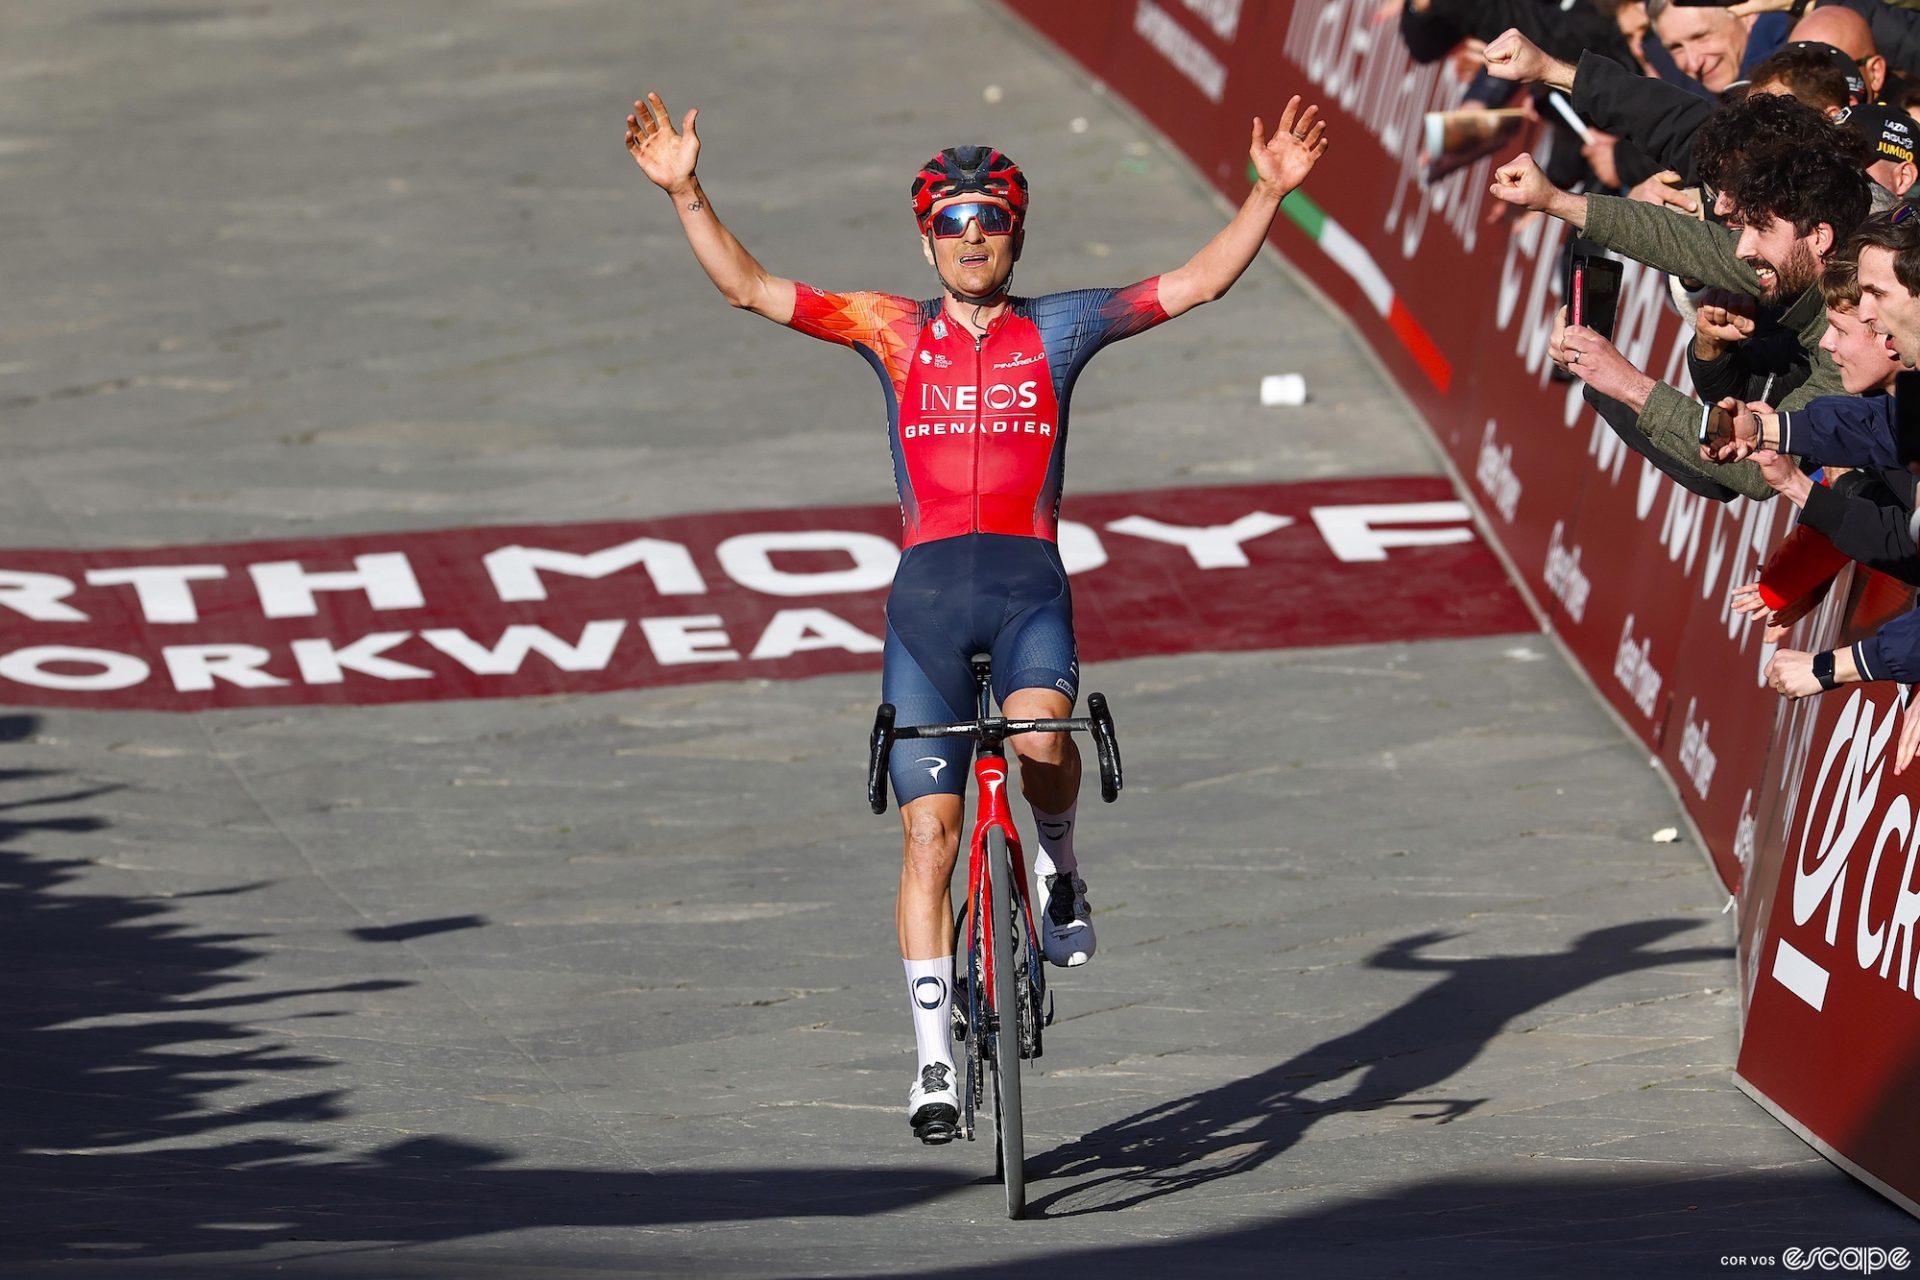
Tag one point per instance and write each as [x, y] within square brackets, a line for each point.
[1511, 56]
[1909, 732]
[1744, 432]
[664, 155]
[1791, 673]
[1592, 359]
[1664, 188]
[1520, 182]
[1786, 479]
[1599, 157]
[1284, 160]
[1746, 599]
[1753, 8]
[1722, 320]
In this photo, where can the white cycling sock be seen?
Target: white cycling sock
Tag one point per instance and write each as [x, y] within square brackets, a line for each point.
[1055, 853]
[930, 991]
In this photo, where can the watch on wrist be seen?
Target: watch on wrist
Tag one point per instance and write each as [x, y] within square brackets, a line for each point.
[1799, 7]
[1823, 670]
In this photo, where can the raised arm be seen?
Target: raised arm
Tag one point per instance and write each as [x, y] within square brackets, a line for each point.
[667, 156]
[1282, 163]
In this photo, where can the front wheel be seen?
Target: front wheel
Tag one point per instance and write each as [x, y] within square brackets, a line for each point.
[1003, 1046]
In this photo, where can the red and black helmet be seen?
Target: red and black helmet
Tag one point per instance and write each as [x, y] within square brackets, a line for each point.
[957, 171]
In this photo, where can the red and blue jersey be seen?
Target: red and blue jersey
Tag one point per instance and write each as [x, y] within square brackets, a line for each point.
[978, 429]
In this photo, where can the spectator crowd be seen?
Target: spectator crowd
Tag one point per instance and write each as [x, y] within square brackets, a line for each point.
[1763, 156]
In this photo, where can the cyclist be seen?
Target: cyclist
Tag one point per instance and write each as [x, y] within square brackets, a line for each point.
[977, 382]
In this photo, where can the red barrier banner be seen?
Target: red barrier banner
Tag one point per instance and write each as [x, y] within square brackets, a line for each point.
[1633, 572]
[515, 612]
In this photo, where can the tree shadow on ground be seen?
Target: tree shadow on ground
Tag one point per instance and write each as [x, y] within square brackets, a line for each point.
[130, 1079]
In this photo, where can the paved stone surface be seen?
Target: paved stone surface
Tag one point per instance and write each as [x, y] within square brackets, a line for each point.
[1393, 981]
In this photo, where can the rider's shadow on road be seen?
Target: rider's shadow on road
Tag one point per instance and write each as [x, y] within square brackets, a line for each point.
[1240, 1126]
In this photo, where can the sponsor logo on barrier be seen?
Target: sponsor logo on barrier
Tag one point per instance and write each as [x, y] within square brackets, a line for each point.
[1174, 43]
[1570, 586]
[1635, 672]
[1697, 760]
[1496, 476]
[1222, 16]
[1886, 919]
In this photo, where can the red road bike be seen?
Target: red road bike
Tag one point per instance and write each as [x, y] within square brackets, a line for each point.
[1006, 1003]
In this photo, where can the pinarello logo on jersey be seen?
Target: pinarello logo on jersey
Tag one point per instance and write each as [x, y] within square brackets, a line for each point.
[1019, 358]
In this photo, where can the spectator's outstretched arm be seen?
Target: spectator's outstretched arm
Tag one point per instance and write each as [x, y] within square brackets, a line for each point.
[1282, 163]
[1891, 653]
[1431, 28]
[1876, 534]
[1658, 118]
[1832, 430]
[666, 155]
[1664, 414]
[1664, 240]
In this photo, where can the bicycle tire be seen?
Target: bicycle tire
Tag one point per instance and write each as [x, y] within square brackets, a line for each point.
[1004, 1044]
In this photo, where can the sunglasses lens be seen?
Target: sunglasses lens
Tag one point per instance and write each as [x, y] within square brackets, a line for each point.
[994, 219]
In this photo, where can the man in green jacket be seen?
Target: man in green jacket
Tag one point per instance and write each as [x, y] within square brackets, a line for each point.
[1791, 187]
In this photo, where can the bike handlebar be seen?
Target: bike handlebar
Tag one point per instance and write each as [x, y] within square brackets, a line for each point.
[1098, 722]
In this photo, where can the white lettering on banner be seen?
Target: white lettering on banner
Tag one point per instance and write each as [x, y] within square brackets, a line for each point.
[1189, 57]
[114, 670]
[748, 560]
[1363, 533]
[1565, 579]
[1532, 267]
[1212, 547]
[1857, 745]
[38, 596]
[680, 640]
[287, 589]
[792, 631]
[1635, 671]
[1364, 65]
[323, 662]
[1697, 760]
[1496, 475]
[195, 667]
[1223, 16]
[1680, 530]
[516, 570]
[506, 657]
[163, 589]
[1080, 547]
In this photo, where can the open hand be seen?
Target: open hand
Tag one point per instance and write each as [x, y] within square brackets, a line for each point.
[664, 154]
[1664, 188]
[1284, 160]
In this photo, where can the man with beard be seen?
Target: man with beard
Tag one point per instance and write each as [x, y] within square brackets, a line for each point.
[1791, 188]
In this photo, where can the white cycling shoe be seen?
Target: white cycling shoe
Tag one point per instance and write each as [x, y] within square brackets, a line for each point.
[933, 1104]
[1066, 921]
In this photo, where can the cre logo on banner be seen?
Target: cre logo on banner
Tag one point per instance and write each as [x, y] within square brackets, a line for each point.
[1883, 941]
[587, 608]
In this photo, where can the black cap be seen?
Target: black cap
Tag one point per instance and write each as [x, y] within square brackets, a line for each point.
[1890, 133]
[1856, 82]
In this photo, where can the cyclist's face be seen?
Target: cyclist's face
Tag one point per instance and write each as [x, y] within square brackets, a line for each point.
[974, 262]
